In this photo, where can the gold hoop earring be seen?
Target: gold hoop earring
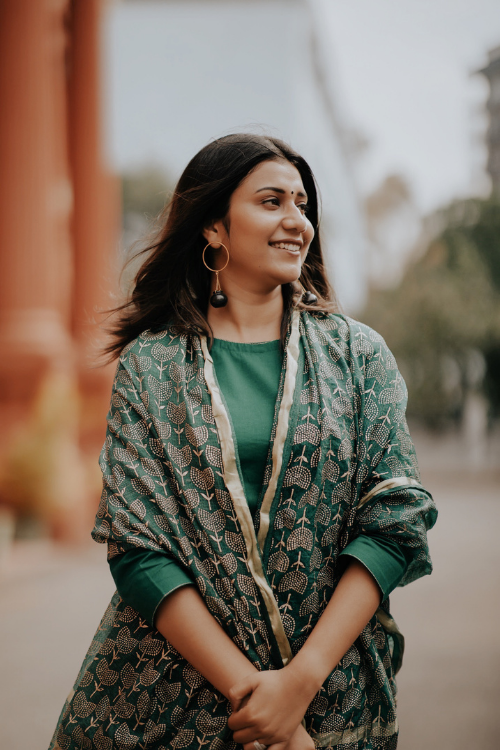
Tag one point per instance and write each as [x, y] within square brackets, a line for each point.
[218, 298]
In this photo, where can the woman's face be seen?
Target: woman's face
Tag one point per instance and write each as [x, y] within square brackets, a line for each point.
[269, 232]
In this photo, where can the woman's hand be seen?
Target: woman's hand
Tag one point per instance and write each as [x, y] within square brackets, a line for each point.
[299, 740]
[274, 707]
[277, 700]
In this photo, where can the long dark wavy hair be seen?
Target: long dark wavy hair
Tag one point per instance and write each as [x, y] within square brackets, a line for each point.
[172, 285]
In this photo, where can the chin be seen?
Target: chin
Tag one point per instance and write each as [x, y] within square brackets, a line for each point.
[291, 277]
[282, 274]
[290, 274]
[279, 281]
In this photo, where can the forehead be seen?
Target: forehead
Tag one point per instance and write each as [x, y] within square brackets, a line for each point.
[277, 173]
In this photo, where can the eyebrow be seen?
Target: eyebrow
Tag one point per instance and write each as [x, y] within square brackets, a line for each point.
[280, 190]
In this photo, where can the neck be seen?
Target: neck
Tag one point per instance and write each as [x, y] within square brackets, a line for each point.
[248, 317]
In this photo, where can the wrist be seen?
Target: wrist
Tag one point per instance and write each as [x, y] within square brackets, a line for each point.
[307, 674]
[243, 671]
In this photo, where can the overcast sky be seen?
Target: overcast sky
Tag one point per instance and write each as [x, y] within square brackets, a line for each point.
[402, 73]
[402, 70]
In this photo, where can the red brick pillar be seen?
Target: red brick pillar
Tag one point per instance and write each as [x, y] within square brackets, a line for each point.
[96, 216]
[36, 197]
[40, 467]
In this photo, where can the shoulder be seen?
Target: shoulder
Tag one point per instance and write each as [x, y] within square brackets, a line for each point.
[160, 344]
[351, 337]
[153, 353]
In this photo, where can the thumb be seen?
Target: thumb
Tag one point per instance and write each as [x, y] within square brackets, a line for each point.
[240, 703]
[241, 689]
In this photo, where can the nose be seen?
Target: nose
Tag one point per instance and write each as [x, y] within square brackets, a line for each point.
[294, 219]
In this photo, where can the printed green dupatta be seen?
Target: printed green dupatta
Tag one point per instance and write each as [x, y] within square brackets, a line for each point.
[341, 463]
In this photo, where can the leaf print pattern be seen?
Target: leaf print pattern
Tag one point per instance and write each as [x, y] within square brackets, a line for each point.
[348, 468]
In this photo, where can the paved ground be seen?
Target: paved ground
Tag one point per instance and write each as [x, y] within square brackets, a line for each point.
[51, 601]
[449, 685]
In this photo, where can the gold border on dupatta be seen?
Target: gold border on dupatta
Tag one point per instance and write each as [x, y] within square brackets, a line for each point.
[281, 427]
[232, 478]
[388, 484]
[332, 739]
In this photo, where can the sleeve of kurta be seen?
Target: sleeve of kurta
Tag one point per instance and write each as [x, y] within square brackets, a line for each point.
[394, 511]
[144, 578]
[383, 557]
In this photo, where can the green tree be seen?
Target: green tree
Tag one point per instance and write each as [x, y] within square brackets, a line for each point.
[443, 321]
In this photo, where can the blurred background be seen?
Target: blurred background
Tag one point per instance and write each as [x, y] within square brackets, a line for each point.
[396, 106]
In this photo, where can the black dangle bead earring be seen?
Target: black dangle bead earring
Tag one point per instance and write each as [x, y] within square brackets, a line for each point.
[218, 298]
[308, 298]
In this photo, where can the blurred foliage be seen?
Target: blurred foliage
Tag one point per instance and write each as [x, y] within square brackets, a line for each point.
[145, 192]
[43, 474]
[443, 321]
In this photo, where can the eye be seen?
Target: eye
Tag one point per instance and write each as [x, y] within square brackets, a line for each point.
[272, 201]
[303, 207]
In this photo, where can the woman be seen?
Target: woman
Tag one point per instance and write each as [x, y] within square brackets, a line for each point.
[261, 494]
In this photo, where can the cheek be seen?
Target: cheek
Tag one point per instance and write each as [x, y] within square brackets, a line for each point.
[251, 220]
[309, 236]
[251, 235]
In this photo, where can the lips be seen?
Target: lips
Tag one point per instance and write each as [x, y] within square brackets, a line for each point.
[292, 247]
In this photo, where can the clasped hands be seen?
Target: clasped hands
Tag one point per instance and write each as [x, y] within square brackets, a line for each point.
[269, 707]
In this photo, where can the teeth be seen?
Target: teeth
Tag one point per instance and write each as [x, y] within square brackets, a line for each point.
[286, 246]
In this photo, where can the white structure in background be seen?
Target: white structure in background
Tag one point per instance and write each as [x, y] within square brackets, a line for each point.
[185, 71]
[395, 231]
[492, 73]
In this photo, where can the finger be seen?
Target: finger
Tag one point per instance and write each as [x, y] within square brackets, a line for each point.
[248, 731]
[274, 738]
[239, 720]
[247, 736]
[241, 703]
[242, 688]
[251, 746]
[251, 733]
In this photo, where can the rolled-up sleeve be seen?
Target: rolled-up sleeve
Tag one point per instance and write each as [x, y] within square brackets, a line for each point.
[144, 578]
[382, 557]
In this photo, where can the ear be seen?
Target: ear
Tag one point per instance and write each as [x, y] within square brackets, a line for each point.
[212, 232]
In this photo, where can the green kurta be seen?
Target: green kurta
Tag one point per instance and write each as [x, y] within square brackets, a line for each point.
[341, 466]
[248, 376]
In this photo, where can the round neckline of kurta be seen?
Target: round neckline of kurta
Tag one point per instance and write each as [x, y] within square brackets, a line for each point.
[258, 347]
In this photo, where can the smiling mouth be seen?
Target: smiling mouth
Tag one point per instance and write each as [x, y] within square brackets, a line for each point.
[292, 247]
